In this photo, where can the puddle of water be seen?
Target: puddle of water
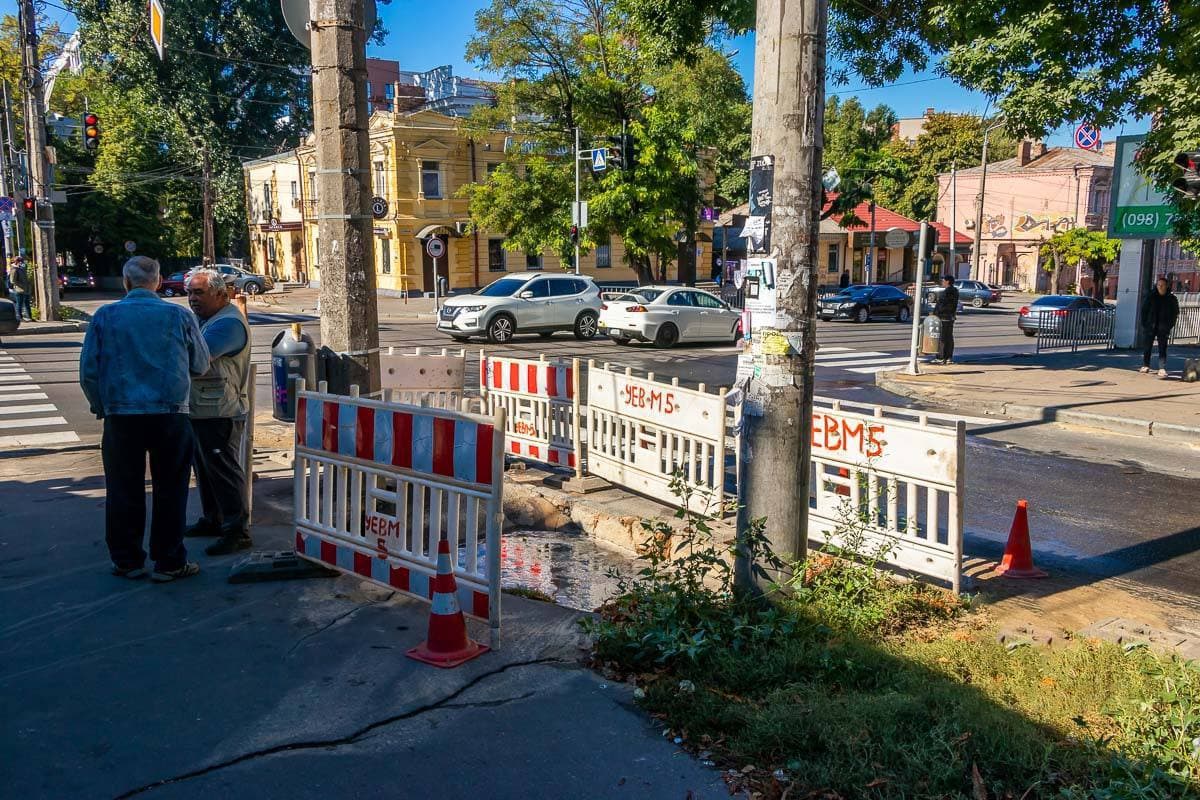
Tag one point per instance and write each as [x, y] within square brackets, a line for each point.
[568, 567]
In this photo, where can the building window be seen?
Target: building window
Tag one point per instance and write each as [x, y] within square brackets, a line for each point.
[380, 180]
[271, 255]
[369, 95]
[834, 266]
[385, 253]
[295, 194]
[492, 167]
[312, 187]
[496, 256]
[431, 179]
[316, 251]
[389, 91]
[268, 201]
[603, 256]
[533, 261]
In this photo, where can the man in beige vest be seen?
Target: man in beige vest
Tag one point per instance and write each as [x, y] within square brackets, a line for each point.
[218, 405]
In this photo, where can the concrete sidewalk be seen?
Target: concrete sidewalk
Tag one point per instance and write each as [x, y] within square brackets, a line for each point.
[1093, 388]
[116, 688]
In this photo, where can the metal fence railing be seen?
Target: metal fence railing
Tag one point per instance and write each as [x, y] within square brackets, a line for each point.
[1063, 329]
[1187, 327]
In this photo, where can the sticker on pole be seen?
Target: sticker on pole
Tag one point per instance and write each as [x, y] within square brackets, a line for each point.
[1087, 137]
[435, 247]
[158, 28]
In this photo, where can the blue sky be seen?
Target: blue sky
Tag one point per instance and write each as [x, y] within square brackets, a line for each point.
[425, 34]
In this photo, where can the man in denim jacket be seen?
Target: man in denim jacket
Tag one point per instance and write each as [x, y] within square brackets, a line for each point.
[138, 360]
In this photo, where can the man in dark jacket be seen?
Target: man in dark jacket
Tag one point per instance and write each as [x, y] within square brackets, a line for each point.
[946, 309]
[844, 281]
[1159, 313]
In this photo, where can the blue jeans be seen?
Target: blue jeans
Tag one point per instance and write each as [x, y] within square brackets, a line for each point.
[21, 300]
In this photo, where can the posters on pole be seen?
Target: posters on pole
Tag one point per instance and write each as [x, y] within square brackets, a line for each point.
[762, 199]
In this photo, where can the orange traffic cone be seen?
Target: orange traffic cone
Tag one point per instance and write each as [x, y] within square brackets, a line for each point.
[447, 644]
[1018, 555]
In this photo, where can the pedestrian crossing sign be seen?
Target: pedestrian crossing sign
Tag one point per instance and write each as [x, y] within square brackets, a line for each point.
[599, 159]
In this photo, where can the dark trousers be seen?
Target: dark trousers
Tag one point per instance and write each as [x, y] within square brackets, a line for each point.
[219, 472]
[1161, 337]
[127, 440]
[946, 343]
[21, 300]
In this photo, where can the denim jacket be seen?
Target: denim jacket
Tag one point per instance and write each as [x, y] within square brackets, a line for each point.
[139, 355]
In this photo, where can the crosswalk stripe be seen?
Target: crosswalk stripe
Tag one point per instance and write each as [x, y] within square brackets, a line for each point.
[7, 358]
[861, 362]
[14, 378]
[19, 388]
[12, 369]
[35, 408]
[30, 439]
[852, 354]
[32, 422]
[825, 349]
[9, 398]
[878, 368]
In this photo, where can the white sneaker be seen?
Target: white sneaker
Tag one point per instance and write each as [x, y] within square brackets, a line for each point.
[1144, 370]
[1162, 373]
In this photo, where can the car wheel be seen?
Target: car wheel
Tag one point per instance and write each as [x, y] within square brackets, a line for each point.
[977, 302]
[168, 292]
[585, 325]
[737, 333]
[252, 287]
[501, 329]
[667, 336]
[904, 315]
[862, 314]
[1030, 334]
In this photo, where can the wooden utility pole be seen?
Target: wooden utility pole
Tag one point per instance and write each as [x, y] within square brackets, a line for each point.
[209, 246]
[349, 310]
[44, 256]
[789, 109]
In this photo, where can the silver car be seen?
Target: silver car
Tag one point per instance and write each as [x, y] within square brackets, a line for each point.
[524, 301]
[1045, 313]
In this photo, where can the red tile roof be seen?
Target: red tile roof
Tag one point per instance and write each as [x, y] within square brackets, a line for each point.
[885, 219]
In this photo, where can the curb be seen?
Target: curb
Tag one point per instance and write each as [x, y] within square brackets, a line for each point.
[1168, 431]
[65, 327]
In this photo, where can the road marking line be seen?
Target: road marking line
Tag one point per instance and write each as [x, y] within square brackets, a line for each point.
[28, 439]
[870, 370]
[895, 360]
[857, 354]
[8, 398]
[35, 408]
[11, 369]
[824, 349]
[7, 358]
[19, 388]
[32, 422]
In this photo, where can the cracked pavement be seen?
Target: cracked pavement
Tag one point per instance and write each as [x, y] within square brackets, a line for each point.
[112, 688]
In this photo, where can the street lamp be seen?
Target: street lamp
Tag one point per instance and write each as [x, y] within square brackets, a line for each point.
[979, 204]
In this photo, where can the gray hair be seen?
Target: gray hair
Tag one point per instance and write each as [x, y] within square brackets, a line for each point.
[141, 272]
[216, 281]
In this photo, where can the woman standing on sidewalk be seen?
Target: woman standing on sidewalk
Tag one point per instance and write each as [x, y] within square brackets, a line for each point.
[1159, 313]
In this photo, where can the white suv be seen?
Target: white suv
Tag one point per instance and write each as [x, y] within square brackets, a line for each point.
[532, 302]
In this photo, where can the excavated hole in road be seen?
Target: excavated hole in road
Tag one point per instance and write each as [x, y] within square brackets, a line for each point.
[568, 567]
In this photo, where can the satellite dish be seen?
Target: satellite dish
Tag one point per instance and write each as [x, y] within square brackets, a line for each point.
[831, 180]
[295, 15]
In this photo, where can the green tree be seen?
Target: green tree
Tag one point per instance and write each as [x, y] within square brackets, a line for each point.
[853, 135]
[1068, 248]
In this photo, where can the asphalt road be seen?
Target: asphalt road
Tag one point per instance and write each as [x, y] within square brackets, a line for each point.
[1106, 505]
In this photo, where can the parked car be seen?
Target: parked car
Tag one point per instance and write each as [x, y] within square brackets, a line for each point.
[76, 281]
[245, 282]
[976, 294]
[9, 321]
[863, 303]
[1042, 314]
[531, 302]
[173, 285]
[997, 292]
[666, 315]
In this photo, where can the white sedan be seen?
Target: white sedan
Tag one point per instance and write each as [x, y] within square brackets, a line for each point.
[665, 315]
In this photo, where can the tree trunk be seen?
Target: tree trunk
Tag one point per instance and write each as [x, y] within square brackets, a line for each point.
[1099, 273]
[644, 272]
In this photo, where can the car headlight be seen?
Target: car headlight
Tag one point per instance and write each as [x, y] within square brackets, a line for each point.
[845, 305]
[471, 309]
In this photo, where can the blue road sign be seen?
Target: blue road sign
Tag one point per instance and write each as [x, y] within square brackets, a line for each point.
[599, 159]
[1087, 137]
[8, 207]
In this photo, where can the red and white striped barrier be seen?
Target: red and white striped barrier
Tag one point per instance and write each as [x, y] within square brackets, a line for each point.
[541, 404]
[378, 483]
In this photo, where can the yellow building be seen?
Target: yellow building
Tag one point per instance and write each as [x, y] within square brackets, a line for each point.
[419, 162]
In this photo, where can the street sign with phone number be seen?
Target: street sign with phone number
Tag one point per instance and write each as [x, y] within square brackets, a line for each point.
[1139, 210]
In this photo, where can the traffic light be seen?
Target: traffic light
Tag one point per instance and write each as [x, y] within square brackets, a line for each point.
[91, 131]
[628, 152]
[616, 156]
[574, 234]
[29, 205]
[1189, 182]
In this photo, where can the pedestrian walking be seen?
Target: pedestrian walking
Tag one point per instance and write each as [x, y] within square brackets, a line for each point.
[844, 281]
[946, 309]
[19, 287]
[219, 402]
[135, 368]
[1159, 314]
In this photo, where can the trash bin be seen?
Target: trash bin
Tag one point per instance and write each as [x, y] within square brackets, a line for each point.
[292, 357]
[931, 336]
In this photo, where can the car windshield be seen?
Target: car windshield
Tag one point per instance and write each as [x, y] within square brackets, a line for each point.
[505, 287]
[648, 295]
[1055, 301]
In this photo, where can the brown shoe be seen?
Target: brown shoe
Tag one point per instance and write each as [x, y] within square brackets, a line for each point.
[189, 569]
[229, 543]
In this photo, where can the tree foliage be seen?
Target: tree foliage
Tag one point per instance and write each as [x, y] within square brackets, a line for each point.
[1067, 248]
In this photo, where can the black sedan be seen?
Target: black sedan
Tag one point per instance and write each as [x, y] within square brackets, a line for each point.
[863, 303]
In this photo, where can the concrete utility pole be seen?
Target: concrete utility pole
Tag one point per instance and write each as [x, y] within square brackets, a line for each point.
[349, 307]
[39, 187]
[209, 246]
[789, 108]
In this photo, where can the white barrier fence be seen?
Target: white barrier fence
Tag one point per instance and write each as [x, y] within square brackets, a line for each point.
[420, 378]
[541, 404]
[641, 433]
[377, 484]
[889, 486]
